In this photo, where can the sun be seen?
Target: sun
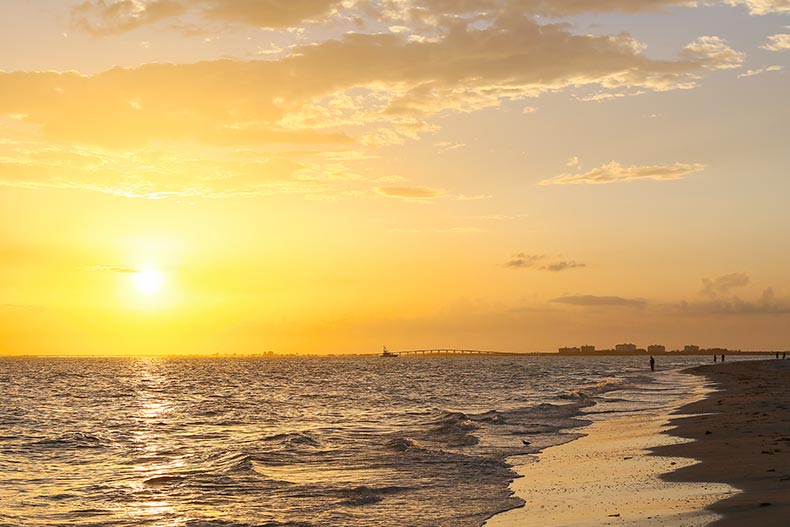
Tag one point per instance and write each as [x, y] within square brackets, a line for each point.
[149, 281]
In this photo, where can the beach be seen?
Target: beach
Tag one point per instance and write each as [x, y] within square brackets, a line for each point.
[741, 435]
[305, 441]
[720, 459]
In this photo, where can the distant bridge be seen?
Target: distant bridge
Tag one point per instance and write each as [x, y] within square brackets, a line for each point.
[446, 351]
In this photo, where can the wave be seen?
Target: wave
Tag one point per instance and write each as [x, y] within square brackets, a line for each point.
[607, 385]
[223, 523]
[71, 440]
[364, 495]
[230, 462]
[161, 481]
[293, 438]
[400, 444]
[452, 429]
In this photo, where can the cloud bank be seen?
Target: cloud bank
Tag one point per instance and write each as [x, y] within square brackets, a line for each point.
[349, 93]
[109, 17]
[600, 301]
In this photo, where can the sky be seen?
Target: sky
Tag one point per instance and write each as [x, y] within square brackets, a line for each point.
[323, 176]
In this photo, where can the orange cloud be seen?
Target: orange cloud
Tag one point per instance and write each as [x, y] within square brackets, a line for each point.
[107, 17]
[359, 90]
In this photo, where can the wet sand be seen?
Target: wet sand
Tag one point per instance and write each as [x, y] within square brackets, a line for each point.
[722, 459]
[742, 438]
[609, 477]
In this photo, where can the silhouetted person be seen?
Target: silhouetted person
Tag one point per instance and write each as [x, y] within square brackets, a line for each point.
[784, 355]
[714, 358]
[777, 354]
[722, 357]
[652, 363]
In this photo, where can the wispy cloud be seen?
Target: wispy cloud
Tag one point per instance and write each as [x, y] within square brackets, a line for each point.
[717, 51]
[759, 71]
[778, 42]
[722, 285]
[762, 7]
[523, 260]
[447, 146]
[563, 265]
[533, 261]
[411, 193]
[614, 172]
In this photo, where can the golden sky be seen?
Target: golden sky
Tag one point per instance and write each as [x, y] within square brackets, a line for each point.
[323, 176]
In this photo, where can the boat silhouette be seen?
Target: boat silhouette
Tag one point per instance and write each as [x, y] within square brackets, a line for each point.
[388, 353]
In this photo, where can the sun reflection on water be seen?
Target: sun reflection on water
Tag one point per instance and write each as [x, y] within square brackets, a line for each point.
[156, 463]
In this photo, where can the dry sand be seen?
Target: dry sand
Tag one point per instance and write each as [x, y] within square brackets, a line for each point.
[645, 470]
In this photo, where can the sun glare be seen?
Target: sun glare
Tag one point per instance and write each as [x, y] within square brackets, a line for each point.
[149, 281]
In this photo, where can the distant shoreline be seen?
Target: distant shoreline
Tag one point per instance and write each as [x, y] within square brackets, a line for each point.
[602, 353]
[701, 353]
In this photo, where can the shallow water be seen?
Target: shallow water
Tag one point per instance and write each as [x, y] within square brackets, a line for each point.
[419, 441]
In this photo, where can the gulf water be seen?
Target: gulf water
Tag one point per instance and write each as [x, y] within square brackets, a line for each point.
[221, 442]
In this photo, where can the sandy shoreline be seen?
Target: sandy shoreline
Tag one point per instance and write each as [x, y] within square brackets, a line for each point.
[609, 477]
[742, 437]
[721, 459]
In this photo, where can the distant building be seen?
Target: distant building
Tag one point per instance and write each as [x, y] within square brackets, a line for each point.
[588, 349]
[655, 349]
[625, 348]
[566, 351]
[690, 348]
[717, 351]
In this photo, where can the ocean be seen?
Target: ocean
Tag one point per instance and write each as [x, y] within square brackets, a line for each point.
[297, 441]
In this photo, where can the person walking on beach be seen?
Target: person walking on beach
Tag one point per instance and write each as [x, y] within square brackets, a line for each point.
[715, 357]
[652, 363]
[722, 357]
